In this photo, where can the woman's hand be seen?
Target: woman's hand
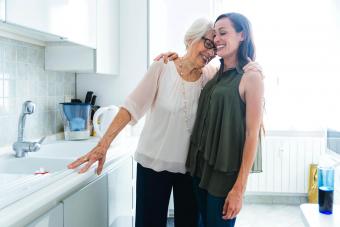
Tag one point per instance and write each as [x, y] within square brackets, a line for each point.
[253, 66]
[98, 153]
[168, 56]
[232, 204]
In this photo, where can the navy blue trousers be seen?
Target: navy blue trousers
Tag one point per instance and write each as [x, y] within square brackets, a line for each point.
[152, 198]
[210, 208]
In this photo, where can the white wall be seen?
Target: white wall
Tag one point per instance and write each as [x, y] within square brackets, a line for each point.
[133, 57]
[169, 20]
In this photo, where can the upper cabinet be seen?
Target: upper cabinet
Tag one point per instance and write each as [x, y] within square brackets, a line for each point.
[73, 20]
[80, 36]
[107, 37]
[104, 59]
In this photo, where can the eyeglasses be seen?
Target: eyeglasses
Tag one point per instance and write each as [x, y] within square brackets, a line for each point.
[208, 43]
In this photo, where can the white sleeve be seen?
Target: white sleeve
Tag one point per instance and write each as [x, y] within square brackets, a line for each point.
[143, 96]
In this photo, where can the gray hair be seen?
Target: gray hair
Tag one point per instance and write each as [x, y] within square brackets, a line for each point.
[197, 30]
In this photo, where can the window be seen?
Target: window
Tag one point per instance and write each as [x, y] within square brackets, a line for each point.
[297, 45]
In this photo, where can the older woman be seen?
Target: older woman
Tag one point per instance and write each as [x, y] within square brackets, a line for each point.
[169, 93]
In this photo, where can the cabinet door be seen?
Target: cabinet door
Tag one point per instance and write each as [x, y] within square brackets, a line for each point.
[80, 23]
[52, 218]
[2, 10]
[75, 20]
[108, 37]
[41, 15]
[120, 195]
[69, 58]
[88, 207]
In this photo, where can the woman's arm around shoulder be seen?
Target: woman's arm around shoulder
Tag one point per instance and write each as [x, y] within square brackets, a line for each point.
[251, 86]
[210, 70]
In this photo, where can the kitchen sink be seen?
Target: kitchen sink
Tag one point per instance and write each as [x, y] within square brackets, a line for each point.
[19, 177]
[64, 149]
[30, 166]
[50, 158]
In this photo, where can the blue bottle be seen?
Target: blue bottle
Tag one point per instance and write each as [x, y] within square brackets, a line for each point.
[326, 189]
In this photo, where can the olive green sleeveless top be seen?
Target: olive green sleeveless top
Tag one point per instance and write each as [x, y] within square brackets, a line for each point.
[218, 137]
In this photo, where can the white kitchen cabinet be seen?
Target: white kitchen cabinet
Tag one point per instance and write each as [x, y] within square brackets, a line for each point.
[73, 20]
[107, 52]
[88, 206]
[120, 195]
[134, 184]
[69, 57]
[2, 10]
[104, 59]
[52, 218]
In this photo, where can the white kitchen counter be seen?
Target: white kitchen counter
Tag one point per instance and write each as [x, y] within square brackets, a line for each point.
[313, 218]
[67, 182]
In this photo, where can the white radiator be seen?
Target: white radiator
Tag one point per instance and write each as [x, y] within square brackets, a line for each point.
[286, 159]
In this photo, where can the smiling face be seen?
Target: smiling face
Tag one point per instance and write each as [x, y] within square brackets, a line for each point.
[227, 40]
[198, 51]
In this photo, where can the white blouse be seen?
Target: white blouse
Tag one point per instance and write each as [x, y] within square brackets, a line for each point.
[171, 104]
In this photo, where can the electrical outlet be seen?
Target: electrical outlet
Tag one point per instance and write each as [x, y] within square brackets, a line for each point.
[67, 98]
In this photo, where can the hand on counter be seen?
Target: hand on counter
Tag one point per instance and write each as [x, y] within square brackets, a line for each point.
[98, 153]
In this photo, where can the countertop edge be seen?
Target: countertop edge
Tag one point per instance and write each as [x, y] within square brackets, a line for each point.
[27, 209]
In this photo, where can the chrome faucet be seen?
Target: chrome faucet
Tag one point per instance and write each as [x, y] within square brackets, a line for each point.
[21, 147]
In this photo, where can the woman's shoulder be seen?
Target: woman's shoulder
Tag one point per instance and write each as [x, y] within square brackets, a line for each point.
[157, 65]
[254, 76]
[164, 71]
[160, 66]
[252, 80]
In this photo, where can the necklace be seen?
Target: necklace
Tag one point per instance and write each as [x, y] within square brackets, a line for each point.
[185, 99]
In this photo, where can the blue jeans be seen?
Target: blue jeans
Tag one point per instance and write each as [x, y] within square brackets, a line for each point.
[210, 208]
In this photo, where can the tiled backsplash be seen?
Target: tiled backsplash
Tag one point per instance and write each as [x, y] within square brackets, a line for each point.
[22, 77]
